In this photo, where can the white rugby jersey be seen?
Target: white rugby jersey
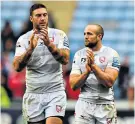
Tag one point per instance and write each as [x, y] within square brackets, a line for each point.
[93, 90]
[43, 72]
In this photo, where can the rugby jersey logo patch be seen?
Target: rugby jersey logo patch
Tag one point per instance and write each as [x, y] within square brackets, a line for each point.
[102, 59]
[58, 108]
[83, 60]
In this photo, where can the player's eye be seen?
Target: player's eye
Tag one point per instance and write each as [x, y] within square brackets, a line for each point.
[45, 14]
[89, 33]
[38, 15]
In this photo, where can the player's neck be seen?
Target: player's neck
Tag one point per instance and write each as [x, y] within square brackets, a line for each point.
[97, 47]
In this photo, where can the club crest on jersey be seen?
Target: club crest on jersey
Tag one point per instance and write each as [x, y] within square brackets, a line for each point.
[51, 39]
[102, 59]
[58, 108]
[109, 120]
[83, 60]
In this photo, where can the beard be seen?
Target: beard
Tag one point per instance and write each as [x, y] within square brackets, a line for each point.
[91, 45]
[39, 26]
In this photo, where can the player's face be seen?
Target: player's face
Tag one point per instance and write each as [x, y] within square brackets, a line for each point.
[39, 18]
[90, 36]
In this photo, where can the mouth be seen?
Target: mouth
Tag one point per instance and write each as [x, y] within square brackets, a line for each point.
[41, 23]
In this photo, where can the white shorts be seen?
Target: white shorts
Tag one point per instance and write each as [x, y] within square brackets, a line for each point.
[90, 113]
[37, 107]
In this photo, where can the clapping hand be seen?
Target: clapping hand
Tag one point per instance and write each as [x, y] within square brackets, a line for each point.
[43, 34]
[90, 56]
[33, 39]
[90, 59]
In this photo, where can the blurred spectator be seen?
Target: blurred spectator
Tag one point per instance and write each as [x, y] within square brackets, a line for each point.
[123, 78]
[4, 85]
[27, 26]
[5, 100]
[16, 82]
[7, 33]
[7, 58]
[70, 93]
[130, 91]
[9, 46]
[13, 82]
[8, 55]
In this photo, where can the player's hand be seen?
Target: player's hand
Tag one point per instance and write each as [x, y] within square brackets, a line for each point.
[44, 35]
[88, 68]
[34, 39]
[90, 56]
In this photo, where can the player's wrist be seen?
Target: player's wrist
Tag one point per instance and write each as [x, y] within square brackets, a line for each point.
[88, 71]
[50, 46]
[27, 56]
[47, 42]
[30, 50]
[93, 66]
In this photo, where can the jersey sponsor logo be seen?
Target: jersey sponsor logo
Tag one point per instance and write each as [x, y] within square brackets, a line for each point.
[102, 59]
[58, 108]
[65, 38]
[66, 44]
[66, 41]
[41, 44]
[18, 44]
[83, 60]
[115, 62]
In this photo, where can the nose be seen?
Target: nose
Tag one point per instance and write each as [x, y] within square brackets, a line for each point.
[86, 36]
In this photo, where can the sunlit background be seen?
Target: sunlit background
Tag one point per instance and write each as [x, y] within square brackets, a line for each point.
[117, 19]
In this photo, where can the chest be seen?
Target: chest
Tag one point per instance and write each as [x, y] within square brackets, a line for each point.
[41, 54]
[99, 59]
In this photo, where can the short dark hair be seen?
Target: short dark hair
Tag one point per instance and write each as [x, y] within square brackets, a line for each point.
[36, 6]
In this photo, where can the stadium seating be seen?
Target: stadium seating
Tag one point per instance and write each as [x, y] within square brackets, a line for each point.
[16, 14]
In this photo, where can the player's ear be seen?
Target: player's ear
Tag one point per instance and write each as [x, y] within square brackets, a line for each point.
[100, 36]
[31, 19]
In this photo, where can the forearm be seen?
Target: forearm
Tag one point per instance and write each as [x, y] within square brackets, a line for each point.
[78, 81]
[21, 61]
[104, 78]
[61, 55]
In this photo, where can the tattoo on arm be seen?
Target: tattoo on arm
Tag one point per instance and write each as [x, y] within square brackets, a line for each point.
[21, 61]
[61, 55]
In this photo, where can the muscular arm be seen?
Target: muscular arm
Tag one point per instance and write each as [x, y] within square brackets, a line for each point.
[78, 80]
[61, 55]
[107, 77]
[20, 62]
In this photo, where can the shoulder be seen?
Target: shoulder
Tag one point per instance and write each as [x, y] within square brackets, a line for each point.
[81, 52]
[25, 36]
[57, 31]
[109, 50]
